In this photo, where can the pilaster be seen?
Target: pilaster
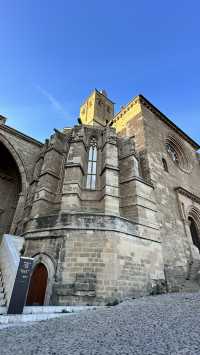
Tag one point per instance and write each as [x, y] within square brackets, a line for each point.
[46, 194]
[74, 172]
[110, 172]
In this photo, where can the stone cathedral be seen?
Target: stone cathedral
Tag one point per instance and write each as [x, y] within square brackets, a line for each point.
[108, 209]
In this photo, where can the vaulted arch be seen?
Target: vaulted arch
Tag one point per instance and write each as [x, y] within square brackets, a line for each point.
[13, 186]
[194, 223]
[17, 159]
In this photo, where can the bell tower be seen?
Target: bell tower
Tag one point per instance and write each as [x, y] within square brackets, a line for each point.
[97, 110]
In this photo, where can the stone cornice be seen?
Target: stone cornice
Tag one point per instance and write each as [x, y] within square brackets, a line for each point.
[78, 221]
[140, 98]
[20, 135]
[188, 194]
[110, 167]
[49, 172]
[74, 165]
[126, 108]
[137, 178]
[131, 154]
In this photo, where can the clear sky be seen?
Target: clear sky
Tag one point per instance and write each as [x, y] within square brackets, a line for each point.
[54, 53]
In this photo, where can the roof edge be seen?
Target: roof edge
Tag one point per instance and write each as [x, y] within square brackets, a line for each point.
[168, 121]
[162, 116]
[20, 134]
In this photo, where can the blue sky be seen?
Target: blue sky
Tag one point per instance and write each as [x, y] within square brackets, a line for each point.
[53, 53]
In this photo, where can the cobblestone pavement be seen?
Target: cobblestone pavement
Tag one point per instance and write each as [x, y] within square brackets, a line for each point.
[168, 324]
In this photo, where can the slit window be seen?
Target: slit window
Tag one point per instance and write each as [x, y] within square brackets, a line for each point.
[165, 166]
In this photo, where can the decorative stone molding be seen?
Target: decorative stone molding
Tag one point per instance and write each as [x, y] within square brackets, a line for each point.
[20, 135]
[194, 213]
[176, 149]
[126, 108]
[188, 194]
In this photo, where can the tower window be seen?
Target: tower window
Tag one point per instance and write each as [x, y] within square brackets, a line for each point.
[165, 166]
[92, 165]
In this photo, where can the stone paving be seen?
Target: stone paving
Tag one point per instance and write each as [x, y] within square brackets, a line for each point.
[167, 324]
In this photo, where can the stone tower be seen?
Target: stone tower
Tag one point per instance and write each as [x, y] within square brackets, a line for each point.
[97, 110]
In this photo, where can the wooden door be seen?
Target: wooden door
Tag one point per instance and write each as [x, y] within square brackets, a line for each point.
[37, 287]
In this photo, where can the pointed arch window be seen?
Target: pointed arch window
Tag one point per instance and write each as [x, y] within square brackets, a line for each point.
[194, 232]
[92, 165]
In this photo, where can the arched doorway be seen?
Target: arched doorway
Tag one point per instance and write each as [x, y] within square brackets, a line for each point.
[194, 232]
[10, 187]
[38, 285]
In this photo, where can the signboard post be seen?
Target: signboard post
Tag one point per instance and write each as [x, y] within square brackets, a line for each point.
[20, 288]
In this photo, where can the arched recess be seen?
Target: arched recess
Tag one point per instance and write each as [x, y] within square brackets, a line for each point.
[10, 159]
[49, 264]
[194, 224]
[37, 286]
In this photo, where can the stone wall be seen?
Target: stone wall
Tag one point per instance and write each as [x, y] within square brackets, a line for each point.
[176, 238]
[152, 131]
[108, 243]
[98, 258]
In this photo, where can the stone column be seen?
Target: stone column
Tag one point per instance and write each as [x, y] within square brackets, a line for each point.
[74, 172]
[137, 200]
[110, 172]
[46, 196]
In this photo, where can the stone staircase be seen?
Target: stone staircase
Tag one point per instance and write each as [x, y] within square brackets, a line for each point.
[194, 271]
[2, 292]
[180, 280]
[192, 283]
[190, 286]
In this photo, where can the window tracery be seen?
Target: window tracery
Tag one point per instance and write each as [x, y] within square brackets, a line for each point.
[172, 152]
[176, 150]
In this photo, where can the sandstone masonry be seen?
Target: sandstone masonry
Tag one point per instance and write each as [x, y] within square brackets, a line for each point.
[110, 208]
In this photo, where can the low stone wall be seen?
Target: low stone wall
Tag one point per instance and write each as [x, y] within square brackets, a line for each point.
[9, 260]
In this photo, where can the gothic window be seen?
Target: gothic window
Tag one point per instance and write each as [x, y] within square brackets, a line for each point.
[165, 166]
[92, 165]
[194, 232]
